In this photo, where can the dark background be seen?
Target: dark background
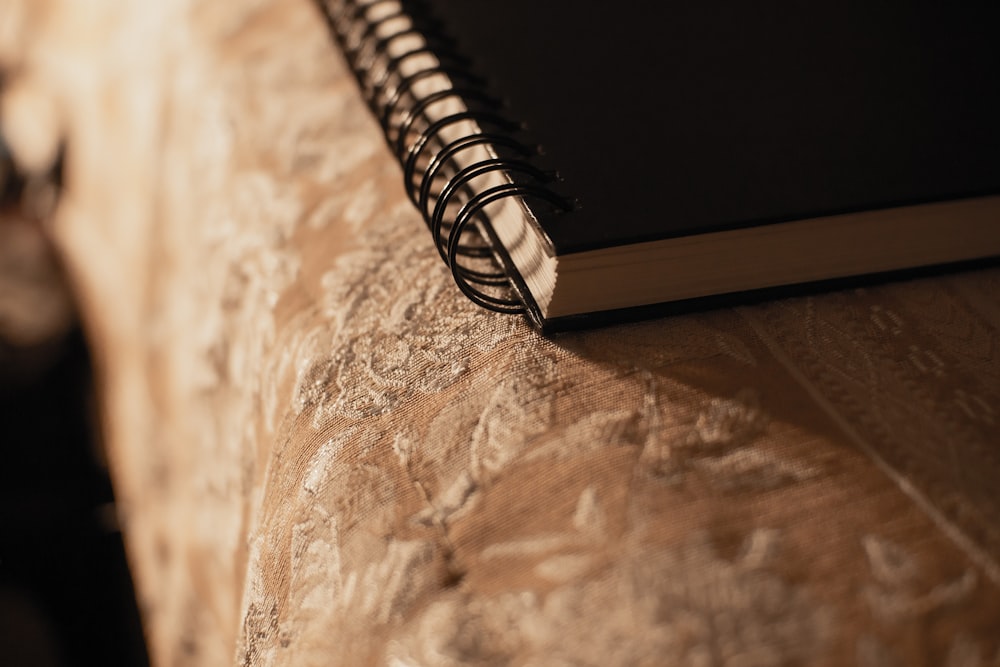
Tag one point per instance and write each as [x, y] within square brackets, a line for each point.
[66, 595]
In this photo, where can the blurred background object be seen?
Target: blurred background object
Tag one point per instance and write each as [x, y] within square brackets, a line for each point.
[36, 311]
[66, 596]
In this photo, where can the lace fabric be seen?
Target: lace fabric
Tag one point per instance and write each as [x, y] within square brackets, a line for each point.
[326, 455]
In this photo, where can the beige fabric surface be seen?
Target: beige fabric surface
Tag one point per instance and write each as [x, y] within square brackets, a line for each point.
[325, 456]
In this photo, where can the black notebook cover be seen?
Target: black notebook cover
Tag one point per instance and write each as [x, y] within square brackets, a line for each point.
[672, 118]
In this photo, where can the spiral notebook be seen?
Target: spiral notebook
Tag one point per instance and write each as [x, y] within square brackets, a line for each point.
[589, 161]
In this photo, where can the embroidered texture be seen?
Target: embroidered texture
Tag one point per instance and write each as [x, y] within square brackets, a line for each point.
[325, 455]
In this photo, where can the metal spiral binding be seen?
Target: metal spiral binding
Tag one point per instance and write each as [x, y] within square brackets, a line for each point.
[395, 49]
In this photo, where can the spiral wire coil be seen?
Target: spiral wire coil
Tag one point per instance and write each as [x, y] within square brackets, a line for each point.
[458, 152]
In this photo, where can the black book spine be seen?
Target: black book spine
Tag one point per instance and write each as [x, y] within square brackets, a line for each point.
[460, 155]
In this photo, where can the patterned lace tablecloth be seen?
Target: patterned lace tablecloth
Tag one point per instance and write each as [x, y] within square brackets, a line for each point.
[325, 455]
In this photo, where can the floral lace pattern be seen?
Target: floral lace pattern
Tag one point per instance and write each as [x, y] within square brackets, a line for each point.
[325, 455]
